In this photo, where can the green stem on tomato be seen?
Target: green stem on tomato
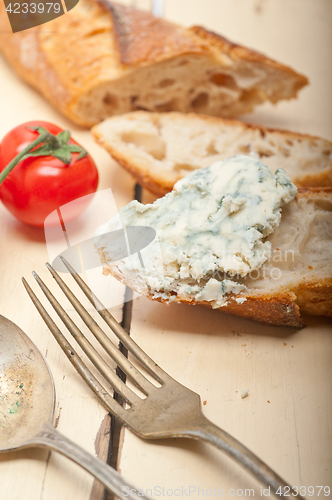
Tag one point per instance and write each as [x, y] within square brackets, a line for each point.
[57, 146]
[41, 138]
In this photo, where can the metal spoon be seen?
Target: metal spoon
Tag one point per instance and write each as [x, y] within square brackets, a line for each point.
[27, 397]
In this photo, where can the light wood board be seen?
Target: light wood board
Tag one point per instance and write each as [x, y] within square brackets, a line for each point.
[286, 419]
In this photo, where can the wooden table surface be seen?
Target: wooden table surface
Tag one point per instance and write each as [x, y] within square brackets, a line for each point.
[286, 419]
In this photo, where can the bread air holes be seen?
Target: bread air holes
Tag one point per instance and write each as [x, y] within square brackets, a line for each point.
[95, 32]
[223, 80]
[211, 149]
[264, 152]
[110, 101]
[167, 82]
[151, 144]
[172, 105]
[253, 96]
[245, 149]
[325, 205]
[200, 102]
[285, 152]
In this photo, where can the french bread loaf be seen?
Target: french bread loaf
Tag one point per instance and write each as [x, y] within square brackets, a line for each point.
[158, 149]
[296, 280]
[103, 58]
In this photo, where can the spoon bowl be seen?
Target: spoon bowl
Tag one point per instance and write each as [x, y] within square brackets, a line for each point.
[27, 398]
[27, 388]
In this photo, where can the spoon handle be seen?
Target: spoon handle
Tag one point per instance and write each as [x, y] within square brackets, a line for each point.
[50, 438]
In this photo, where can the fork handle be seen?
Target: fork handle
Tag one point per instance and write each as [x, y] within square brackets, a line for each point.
[50, 438]
[207, 431]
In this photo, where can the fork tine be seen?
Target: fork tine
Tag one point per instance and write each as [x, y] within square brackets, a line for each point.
[148, 363]
[128, 368]
[109, 402]
[89, 350]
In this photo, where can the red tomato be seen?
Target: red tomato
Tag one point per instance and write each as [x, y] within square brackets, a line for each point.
[38, 186]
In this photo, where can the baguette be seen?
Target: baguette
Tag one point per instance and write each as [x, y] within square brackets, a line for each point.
[158, 149]
[199, 260]
[103, 58]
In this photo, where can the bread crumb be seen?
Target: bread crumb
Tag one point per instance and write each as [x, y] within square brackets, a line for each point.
[204, 402]
[310, 267]
[245, 393]
[285, 343]
[268, 401]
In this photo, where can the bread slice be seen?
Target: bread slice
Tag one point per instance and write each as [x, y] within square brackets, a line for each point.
[158, 149]
[103, 58]
[296, 279]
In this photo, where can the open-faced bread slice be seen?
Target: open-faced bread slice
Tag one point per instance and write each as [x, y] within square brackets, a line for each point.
[297, 279]
[232, 237]
[158, 149]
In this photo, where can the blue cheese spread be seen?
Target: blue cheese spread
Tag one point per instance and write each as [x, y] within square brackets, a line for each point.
[210, 231]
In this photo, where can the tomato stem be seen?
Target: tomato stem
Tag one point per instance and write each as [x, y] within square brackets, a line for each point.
[41, 138]
[57, 146]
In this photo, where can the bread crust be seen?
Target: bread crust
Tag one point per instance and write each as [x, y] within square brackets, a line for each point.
[285, 309]
[93, 46]
[142, 38]
[270, 309]
[158, 184]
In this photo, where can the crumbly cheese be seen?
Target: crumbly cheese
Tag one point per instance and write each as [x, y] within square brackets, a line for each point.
[210, 229]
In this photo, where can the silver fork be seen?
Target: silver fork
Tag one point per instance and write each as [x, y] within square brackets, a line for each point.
[170, 410]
